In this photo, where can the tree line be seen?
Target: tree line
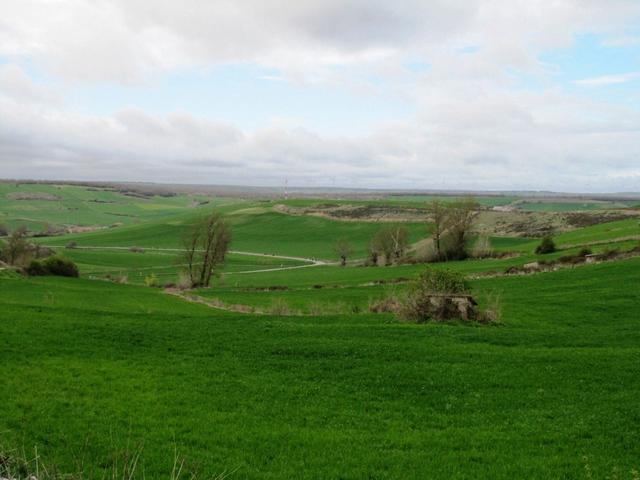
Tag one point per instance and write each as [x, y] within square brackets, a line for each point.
[451, 225]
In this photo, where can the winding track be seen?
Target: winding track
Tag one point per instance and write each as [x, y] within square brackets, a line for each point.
[310, 262]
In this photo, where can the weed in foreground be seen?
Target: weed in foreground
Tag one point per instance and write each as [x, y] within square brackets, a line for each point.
[126, 465]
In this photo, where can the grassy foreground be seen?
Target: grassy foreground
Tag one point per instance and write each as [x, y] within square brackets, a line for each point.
[89, 367]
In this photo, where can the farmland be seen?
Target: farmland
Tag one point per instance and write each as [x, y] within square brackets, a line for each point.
[305, 381]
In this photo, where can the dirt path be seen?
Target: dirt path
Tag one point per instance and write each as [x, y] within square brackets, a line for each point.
[310, 262]
[212, 303]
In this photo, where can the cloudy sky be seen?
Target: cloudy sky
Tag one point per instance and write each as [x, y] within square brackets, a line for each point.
[464, 94]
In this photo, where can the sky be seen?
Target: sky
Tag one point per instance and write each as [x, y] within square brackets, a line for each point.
[429, 94]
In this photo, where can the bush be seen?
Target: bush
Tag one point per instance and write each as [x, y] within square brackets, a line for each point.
[279, 307]
[584, 252]
[437, 295]
[441, 281]
[151, 280]
[4, 231]
[493, 311]
[482, 248]
[184, 281]
[572, 259]
[71, 245]
[36, 269]
[61, 266]
[547, 245]
[383, 305]
[609, 253]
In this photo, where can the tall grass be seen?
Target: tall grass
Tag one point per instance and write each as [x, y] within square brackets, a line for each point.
[16, 464]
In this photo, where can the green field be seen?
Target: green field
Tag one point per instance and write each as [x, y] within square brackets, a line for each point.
[546, 206]
[82, 206]
[552, 390]
[310, 383]
[164, 264]
[262, 232]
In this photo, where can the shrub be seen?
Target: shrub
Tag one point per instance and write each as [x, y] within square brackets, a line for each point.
[436, 295]
[151, 280]
[482, 248]
[441, 281]
[60, 266]
[71, 245]
[547, 245]
[36, 269]
[136, 250]
[184, 281]
[384, 305]
[572, 259]
[584, 252]
[279, 307]
[4, 231]
[315, 308]
[493, 312]
[609, 253]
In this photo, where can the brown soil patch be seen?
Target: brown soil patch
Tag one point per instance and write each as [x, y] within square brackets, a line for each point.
[32, 196]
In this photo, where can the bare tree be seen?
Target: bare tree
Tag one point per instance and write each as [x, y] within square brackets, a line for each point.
[373, 253]
[17, 250]
[344, 250]
[438, 211]
[205, 244]
[383, 244]
[452, 223]
[460, 217]
[392, 242]
[400, 240]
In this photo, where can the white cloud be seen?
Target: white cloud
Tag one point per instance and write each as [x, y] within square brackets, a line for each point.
[130, 40]
[608, 79]
[472, 129]
[622, 41]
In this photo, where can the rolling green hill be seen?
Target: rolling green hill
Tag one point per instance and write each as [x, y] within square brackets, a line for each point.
[93, 367]
[38, 205]
[259, 232]
[95, 371]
